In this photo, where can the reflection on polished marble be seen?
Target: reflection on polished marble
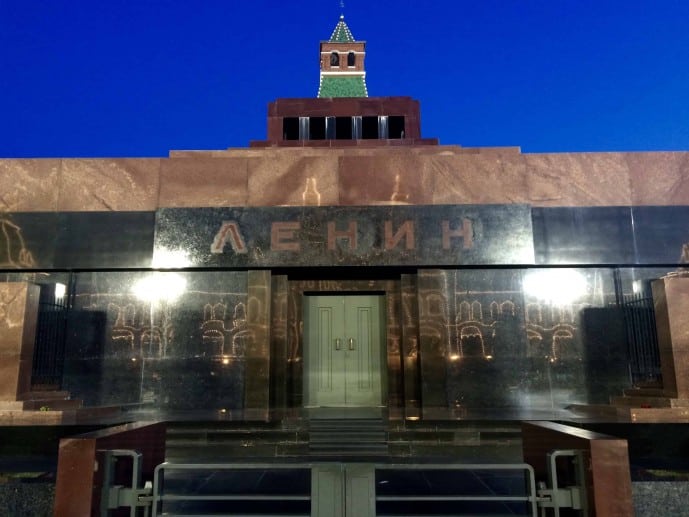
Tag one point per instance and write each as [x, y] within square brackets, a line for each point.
[109, 184]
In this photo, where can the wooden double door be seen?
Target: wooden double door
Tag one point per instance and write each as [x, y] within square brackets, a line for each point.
[343, 350]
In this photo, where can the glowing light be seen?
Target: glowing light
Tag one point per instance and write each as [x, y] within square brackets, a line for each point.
[133, 359]
[164, 258]
[225, 360]
[489, 357]
[454, 357]
[160, 287]
[60, 290]
[556, 286]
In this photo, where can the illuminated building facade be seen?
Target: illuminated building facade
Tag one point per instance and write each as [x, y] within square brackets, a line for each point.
[445, 282]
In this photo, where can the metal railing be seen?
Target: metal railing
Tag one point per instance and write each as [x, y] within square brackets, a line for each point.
[340, 489]
[528, 496]
[183, 493]
[184, 496]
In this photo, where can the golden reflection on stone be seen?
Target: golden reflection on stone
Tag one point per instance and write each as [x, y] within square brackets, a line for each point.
[13, 251]
[398, 192]
[311, 196]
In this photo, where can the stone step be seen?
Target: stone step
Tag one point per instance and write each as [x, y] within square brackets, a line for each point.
[52, 404]
[45, 395]
[348, 436]
[11, 405]
[78, 415]
[366, 436]
[649, 402]
[228, 435]
[644, 392]
[333, 437]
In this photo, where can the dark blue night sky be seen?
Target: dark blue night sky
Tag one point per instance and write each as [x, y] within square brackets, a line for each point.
[141, 77]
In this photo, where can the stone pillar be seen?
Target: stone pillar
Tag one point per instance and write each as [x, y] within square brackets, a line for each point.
[433, 339]
[18, 316]
[279, 353]
[410, 346]
[257, 354]
[671, 306]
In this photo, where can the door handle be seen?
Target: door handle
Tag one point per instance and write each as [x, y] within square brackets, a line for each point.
[351, 343]
[338, 343]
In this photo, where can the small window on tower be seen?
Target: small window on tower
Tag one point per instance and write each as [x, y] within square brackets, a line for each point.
[290, 128]
[351, 59]
[343, 128]
[369, 128]
[334, 59]
[395, 127]
[317, 128]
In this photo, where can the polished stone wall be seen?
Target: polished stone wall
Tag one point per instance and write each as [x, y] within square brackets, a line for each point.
[488, 341]
[56, 240]
[456, 338]
[418, 174]
[508, 339]
[173, 340]
[501, 234]
[345, 236]
[18, 314]
[443, 324]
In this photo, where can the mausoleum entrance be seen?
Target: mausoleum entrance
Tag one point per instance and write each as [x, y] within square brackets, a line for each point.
[343, 350]
[336, 343]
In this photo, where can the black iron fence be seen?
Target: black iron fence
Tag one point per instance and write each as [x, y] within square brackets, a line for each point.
[49, 345]
[642, 339]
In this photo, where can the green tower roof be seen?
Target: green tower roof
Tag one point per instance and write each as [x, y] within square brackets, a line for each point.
[341, 34]
[342, 86]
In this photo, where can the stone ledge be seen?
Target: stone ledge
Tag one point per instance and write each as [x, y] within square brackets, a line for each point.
[9, 417]
[656, 415]
[649, 402]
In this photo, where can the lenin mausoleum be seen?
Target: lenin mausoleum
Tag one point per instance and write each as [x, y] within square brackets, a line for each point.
[346, 319]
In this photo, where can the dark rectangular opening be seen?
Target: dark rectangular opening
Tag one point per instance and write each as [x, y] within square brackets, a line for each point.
[290, 128]
[317, 128]
[396, 127]
[369, 128]
[343, 128]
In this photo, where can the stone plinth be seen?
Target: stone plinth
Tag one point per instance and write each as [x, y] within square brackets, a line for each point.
[608, 479]
[671, 306]
[18, 314]
[79, 480]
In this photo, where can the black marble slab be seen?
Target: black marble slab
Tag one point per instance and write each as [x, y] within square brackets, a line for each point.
[175, 340]
[48, 240]
[339, 236]
[27, 240]
[104, 239]
[583, 235]
[660, 232]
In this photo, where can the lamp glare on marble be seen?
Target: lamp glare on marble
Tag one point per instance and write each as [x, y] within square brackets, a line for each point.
[165, 287]
[556, 286]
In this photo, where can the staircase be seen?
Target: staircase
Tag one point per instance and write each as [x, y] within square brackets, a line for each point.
[333, 435]
[353, 433]
[213, 441]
